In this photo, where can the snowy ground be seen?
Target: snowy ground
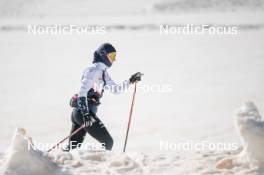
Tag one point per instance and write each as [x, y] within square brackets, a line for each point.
[210, 76]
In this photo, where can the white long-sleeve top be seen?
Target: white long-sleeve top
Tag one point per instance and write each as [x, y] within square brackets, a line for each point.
[93, 78]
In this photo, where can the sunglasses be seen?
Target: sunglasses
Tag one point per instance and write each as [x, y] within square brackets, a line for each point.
[112, 56]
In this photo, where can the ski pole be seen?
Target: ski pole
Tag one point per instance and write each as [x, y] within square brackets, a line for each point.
[130, 116]
[60, 142]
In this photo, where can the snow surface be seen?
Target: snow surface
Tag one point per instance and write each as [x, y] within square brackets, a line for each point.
[183, 6]
[210, 76]
[79, 8]
[22, 159]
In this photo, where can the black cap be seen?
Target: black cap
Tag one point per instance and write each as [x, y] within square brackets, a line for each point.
[100, 55]
[108, 48]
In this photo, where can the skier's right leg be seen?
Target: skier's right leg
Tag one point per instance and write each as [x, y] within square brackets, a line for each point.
[77, 139]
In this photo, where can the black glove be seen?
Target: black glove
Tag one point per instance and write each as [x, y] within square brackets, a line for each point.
[93, 97]
[88, 119]
[135, 77]
[82, 105]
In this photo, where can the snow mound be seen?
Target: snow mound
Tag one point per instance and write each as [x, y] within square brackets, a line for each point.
[22, 159]
[250, 126]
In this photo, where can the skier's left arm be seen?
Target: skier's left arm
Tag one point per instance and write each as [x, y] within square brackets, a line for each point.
[116, 88]
[120, 88]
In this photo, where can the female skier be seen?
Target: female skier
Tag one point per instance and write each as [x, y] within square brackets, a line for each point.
[94, 80]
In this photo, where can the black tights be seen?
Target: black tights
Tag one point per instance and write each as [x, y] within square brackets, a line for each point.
[97, 131]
